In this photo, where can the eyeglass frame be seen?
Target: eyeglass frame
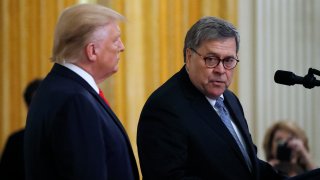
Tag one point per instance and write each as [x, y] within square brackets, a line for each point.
[220, 60]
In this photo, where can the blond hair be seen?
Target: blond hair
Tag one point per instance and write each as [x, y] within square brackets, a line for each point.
[289, 126]
[75, 28]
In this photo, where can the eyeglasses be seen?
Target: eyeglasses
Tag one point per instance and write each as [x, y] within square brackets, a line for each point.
[213, 61]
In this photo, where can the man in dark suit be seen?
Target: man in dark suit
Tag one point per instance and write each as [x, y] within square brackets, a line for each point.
[12, 160]
[193, 127]
[71, 132]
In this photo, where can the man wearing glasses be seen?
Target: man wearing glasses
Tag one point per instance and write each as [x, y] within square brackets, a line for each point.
[193, 127]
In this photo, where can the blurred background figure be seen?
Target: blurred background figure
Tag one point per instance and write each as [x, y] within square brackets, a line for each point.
[286, 148]
[12, 161]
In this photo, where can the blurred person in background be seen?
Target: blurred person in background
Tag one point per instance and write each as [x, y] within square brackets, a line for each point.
[12, 160]
[286, 148]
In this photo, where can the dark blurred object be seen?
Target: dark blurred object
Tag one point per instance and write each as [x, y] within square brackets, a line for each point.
[311, 175]
[289, 169]
[30, 91]
[12, 159]
[283, 152]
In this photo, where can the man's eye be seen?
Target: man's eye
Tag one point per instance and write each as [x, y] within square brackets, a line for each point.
[228, 60]
[211, 58]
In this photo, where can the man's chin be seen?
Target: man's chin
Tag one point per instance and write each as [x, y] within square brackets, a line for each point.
[216, 93]
[115, 69]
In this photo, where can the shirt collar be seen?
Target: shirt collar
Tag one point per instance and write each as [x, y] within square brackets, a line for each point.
[82, 73]
[213, 101]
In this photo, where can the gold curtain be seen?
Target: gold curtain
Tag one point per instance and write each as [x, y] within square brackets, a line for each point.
[154, 38]
[153, 35]
[26, 32]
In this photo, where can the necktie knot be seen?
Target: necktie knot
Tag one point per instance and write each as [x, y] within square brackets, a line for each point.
[220, 107]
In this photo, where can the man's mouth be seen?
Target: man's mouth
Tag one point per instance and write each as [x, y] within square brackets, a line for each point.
[217, 82]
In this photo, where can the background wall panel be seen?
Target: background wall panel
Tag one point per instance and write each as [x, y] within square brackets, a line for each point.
[279, 35]
[153, 36]
[26, 31]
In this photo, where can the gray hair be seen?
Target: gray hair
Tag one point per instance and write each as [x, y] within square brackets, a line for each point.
[76, 27]
[209, 28]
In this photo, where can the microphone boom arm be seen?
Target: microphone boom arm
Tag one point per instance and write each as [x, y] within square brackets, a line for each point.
[309, 81]
[314, 71]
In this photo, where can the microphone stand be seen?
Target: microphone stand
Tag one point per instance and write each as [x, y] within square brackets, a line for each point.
[309, 81]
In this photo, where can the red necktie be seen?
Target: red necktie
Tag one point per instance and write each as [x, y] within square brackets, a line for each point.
[102, 96]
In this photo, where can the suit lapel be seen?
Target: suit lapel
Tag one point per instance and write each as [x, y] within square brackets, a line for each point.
[236, 114]
[207, 113]
[238, 118]
[118, 123]
[213, 120]
[63, 71]
[110, 112]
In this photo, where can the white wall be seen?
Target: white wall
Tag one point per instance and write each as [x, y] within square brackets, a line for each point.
[279, 34]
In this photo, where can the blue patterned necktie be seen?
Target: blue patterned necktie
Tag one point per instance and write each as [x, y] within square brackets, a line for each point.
[226, 119]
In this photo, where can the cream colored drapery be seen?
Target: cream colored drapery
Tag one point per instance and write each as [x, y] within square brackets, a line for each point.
[279, 35]
[153, 36]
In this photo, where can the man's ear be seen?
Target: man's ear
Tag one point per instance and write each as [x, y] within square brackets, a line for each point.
[90, 51]
[188, 55]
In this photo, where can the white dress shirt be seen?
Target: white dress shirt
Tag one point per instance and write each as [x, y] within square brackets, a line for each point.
[82, 73]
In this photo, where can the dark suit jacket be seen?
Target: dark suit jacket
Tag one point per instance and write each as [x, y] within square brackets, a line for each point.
[310, 175]
[72, 134]
[12, 161]
[180, 136]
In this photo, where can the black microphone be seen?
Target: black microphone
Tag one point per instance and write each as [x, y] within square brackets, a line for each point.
[289, 78]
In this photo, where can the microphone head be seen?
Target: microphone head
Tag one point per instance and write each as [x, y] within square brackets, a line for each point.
[287, 78]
